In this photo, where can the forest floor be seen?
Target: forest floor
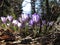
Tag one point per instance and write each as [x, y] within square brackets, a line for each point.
[7, 37]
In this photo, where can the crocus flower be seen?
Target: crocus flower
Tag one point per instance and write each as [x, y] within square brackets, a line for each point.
[3, 19]
[24, 17]
[50, 23]
[19, 24]
[20, 19]
[43, 22]
[8, 24]
[15, 22]
[31, 22]
[35, 17]
[10, 18]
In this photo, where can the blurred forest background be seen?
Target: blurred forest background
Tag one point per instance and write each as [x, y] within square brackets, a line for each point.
[47, 8]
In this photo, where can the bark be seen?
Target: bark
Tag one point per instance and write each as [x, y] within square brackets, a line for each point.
[47, 10]
[33, 6]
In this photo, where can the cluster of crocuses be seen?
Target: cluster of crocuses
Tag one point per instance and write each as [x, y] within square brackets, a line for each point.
[22, 19]
[25, 19]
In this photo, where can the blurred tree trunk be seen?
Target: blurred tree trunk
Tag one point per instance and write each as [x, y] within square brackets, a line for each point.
[33, 6]
[1, 8]
[47, 10]
[1, 11]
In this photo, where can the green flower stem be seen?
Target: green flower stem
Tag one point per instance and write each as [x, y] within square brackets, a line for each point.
[35, 30]
[4, 26]
[19, 30]
[26, 29]
[15, 28]
[45, 29]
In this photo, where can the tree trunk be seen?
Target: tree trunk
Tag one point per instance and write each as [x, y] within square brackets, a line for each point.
[1, 8]
[33, 6]
[47, 10]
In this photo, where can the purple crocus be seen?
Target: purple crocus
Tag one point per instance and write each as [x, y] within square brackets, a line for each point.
[8, 24]
[24, 17]
[15, 22]
[50, 23]
[3, 19]
[10, 18]
[20, 19]
[19, 24]
[43, 22]
[35, 17]
[31, 22]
